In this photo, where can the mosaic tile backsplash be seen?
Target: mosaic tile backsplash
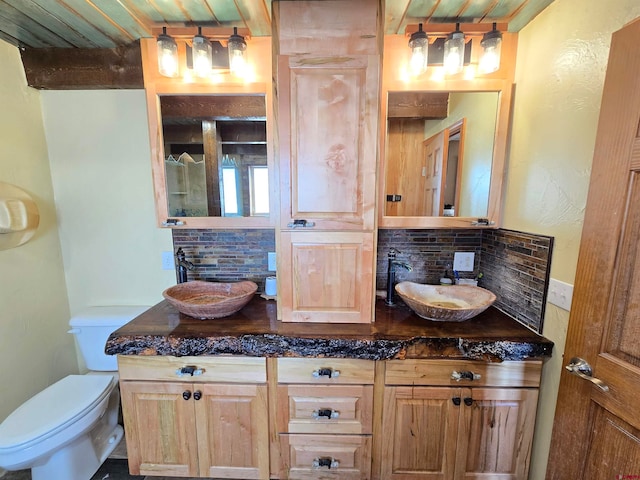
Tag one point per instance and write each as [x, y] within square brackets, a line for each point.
[514, 265]
[227, 255]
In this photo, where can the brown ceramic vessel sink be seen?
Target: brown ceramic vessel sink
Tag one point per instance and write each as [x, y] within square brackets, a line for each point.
[207, 300]
[445, 303]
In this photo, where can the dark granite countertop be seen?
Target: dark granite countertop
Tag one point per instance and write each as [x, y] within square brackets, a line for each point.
[397, 333]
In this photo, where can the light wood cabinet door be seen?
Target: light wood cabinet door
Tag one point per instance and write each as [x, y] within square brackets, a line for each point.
[457, 433]
[327, 119]
[326, 277]
[420, 430]
[233, 431]
[184, 429]
[495, 433]
[160, 428]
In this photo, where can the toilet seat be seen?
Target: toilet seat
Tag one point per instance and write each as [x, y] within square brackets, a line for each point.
[53, 409]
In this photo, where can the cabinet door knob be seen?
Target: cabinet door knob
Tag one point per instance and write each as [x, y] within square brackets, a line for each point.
[465, 375]
[325, 462]
[456, 401]
[468, 401]
[326, 372]
[186, 394]
[197, 395]
[325, 412]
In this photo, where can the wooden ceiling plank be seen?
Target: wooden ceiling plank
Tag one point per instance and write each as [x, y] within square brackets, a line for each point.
[26, 27]
[9, 39]
[503, 10]
[200, 13]
[419, 11]
[528, 13]
[447, 12]
[60, 9]
[121, 18]
[394, 16]
[163, 13]
[86, 11]
[51, 22]
[477, 11]
[256, 17]
[83, 68]
[23, 36]
[226, 12]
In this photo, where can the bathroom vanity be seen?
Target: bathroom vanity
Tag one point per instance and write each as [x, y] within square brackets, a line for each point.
[248, 396]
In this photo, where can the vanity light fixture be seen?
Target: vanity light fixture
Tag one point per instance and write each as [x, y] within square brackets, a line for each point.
[491, 45]
[419, 45]
[167, 54]
[202, 53]
[237, 48]
[454, 52]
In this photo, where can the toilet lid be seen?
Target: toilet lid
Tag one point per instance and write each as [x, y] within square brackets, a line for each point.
[52, 408]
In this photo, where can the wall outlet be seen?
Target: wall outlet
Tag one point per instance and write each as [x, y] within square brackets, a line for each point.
[168, 263]
[463, 261]
[271, 261]
[560, 294]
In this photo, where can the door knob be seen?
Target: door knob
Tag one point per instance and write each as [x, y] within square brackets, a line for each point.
[580, 367]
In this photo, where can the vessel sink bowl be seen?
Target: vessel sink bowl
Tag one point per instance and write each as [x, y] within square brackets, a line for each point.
[445, 303]
[207, 300]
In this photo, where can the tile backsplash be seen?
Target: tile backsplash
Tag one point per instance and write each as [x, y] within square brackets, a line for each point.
[514, 265]
[227, 255]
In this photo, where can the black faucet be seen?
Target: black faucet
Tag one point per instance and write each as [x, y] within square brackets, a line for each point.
[182, 265]
[391, 274]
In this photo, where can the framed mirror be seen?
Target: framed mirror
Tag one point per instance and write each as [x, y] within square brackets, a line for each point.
[443, 145]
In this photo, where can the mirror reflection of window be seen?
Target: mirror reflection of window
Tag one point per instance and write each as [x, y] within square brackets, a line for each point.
[224, 138]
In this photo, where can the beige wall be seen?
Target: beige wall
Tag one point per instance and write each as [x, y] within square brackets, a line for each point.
[35, 349]
[561, 63]
[100, 160]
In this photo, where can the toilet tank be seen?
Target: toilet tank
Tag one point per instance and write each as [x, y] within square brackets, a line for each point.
[92, 328]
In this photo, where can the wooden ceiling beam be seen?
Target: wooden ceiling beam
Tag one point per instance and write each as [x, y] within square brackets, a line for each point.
[83, 68]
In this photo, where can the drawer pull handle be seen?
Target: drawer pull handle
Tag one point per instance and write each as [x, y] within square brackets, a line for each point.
[326, 372]
[325, 462]
[186, 394]
[325, 412]
[301, 224]
[465, 375]
[189, 370]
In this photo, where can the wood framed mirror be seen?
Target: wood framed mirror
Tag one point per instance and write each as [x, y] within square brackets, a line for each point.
[443, 144]
[212, 146]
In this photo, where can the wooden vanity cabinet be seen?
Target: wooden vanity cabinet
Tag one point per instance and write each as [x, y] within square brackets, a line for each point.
[437, 427]
[210, 424]
[324, 418]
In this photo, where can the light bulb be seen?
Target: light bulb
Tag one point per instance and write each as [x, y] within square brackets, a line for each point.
[491, 46]
[201, 52]
[419, 45]
[167, 55]
[454, 52]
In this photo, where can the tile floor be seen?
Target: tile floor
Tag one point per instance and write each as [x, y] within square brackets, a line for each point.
[115, 468]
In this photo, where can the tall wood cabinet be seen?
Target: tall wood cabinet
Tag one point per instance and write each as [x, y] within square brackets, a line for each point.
[327, 109]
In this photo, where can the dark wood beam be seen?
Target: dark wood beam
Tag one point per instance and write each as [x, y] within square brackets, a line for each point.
[418, 105]
[83, 68]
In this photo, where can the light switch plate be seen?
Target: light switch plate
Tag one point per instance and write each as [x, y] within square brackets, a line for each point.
[463, 261]
[168, 263]
[271, 261]
[560, 294]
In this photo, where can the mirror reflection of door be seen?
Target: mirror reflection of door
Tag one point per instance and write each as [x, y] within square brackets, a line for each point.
[413, 117]
[435, 155]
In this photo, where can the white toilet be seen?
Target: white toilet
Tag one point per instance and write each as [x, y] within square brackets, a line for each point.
[70, 428]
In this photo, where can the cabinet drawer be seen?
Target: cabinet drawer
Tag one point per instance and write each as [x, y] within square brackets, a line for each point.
[344, 457]
[328, 409]
[445, 372]
[210, 369]
[325, 371]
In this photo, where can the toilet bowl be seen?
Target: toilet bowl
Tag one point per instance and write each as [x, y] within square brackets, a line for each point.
[70, 428]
